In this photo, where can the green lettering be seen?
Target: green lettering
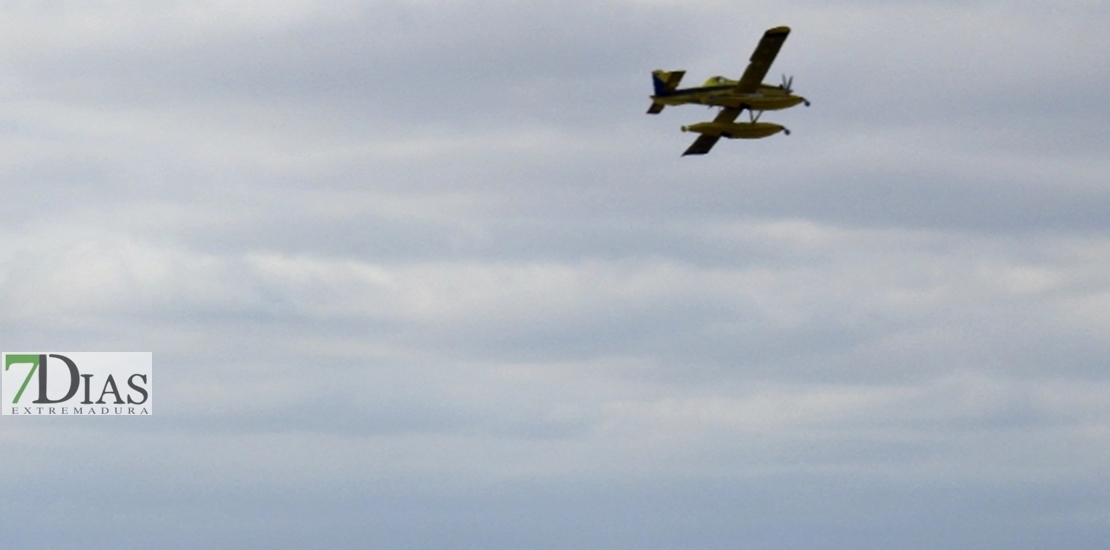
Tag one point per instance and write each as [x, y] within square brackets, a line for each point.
[10, 360]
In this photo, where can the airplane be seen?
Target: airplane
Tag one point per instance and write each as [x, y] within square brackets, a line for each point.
[733, 96]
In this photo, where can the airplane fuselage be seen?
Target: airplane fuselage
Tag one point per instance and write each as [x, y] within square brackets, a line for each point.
[767, 98]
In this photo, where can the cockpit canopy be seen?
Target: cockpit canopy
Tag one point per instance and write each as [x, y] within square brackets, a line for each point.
[719, 81]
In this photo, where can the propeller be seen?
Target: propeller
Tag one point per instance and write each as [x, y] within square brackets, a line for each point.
[787, 83]
[787, 86]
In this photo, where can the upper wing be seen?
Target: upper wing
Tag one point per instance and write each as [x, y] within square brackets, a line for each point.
[761, 59]
[705, 142]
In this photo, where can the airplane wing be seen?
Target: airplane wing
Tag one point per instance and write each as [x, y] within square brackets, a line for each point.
[705, 142]
[761, 60]
[702, 145]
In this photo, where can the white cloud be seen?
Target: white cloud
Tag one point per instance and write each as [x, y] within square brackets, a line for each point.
[438, 245]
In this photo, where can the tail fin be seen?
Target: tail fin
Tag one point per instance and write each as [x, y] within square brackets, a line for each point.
[665, 82]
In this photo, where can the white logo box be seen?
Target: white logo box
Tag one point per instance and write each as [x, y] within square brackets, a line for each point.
[77, 383]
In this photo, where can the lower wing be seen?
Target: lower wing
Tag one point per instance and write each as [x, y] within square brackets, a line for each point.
[705, 142]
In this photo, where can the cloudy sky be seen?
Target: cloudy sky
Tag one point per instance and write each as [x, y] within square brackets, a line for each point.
[422, 274]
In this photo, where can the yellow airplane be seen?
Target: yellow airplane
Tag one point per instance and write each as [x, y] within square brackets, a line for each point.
[733, 96]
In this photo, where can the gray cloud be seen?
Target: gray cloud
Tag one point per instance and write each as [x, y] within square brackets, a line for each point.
[423, 274]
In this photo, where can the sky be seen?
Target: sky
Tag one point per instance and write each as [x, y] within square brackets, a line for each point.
[423, 274]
